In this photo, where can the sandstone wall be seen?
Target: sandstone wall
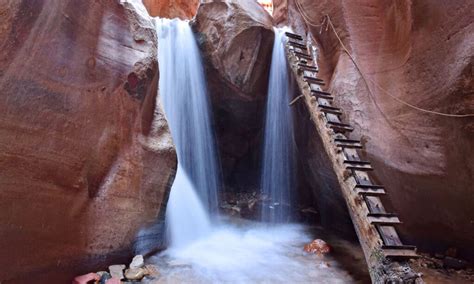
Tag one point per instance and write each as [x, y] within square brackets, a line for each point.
[420, 52]
[86, 157]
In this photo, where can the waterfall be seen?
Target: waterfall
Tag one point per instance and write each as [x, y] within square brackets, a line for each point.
[182, 88]
[278, 150]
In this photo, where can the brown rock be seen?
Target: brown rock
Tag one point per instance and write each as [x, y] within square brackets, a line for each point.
[419, 52]
[86, 156]
[318, 247]
[183, 9]
[236, 40]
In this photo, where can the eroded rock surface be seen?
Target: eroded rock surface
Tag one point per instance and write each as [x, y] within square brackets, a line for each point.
[420, 52]
[236, 39]
[183, 9]
[85, 155]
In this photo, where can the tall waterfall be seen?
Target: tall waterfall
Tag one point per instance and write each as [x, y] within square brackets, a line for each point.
[182, 88]
[278, 152]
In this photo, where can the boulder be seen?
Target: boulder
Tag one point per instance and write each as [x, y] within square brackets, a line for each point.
[318, 247]
[86, 154]
[419, 52]
[236, 40]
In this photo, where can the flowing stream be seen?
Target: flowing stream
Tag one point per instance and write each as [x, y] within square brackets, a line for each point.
[182, 88]
[278, 151]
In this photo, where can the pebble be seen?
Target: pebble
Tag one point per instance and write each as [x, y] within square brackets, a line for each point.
[137, 262]
[135, 273]
[117, 270]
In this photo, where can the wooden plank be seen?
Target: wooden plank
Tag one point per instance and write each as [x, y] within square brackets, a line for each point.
[294, 36]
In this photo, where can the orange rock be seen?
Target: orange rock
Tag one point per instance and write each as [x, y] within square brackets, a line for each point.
[317, 246]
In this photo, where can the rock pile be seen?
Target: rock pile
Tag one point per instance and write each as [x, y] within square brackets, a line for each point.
[137, 272]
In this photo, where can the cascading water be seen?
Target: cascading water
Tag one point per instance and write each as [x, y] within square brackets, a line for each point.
[278, 151]
[236, 253]
[183, 92]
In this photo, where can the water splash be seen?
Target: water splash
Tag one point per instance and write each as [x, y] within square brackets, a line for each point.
[278, 152]
[182, 88]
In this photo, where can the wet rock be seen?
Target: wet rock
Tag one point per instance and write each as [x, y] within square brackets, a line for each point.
[137, 262]
[105, 276]
[117, 270]
[454, 263]
[135, 273]
[100, 273]
[152, 271]
[236, 39]
[318, 247]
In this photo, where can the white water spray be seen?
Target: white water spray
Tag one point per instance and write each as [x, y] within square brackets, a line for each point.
[183, 92]
[278, 152]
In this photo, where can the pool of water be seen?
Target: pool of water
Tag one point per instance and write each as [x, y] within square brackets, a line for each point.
[249, 252]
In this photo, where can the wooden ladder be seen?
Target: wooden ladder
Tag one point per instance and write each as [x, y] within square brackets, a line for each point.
[376, 228]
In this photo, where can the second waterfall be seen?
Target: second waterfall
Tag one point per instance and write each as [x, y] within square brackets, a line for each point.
[182, 88]
[278, 174]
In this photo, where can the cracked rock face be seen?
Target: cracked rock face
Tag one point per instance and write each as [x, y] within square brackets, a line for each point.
[420, 52]
[236, 40]
[86, 155]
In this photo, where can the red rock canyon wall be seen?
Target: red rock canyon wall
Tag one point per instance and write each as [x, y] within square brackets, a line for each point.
[420, 52]
[85, 155]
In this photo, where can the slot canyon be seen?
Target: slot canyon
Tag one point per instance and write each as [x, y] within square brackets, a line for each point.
[232, 141]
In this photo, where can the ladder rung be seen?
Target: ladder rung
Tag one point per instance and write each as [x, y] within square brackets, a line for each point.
[383, 220]
[313, 79]
[360, 168]
[342, 127]
[303, 55]
[308, 67]
[321, 96]
[357, 162]
[349, 146]
[329, 109]
[370, 192]
[321, 93]
[298, 45]
[369, 186]
[316, 83]
[354, 141]
[400, 253]
[294, 36]
[409, 247]
[380, 214]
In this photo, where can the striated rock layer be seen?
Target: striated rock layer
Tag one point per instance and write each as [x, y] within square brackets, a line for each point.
[420, 52]
[236, 39]
[86, 157]
[183, 9]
